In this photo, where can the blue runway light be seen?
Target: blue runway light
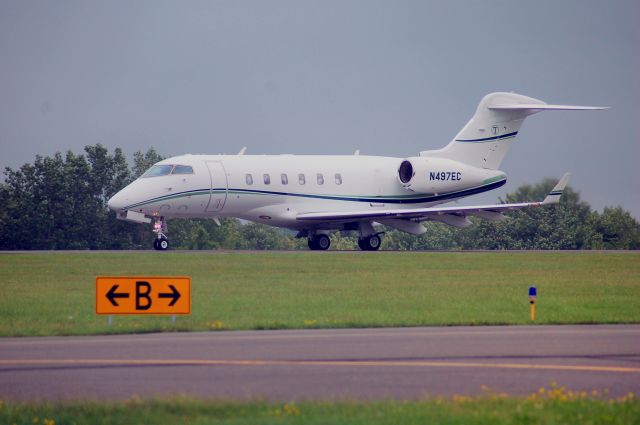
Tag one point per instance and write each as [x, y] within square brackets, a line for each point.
[533, 293]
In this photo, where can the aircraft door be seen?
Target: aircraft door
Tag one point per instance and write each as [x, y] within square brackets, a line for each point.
[218, 189]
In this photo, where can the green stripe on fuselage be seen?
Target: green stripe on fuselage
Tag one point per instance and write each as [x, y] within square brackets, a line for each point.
[494, 179]
[419, 197]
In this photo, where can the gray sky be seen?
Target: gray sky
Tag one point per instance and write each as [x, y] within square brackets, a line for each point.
[325, 77]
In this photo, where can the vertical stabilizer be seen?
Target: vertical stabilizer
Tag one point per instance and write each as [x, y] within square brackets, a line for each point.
[487, 137]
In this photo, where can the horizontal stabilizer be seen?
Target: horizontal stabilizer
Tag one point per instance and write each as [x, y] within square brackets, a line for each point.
[544, 106]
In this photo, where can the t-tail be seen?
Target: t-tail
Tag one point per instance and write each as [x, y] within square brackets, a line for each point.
[487, 137]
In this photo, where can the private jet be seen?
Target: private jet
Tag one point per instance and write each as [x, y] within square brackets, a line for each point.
[316, 195]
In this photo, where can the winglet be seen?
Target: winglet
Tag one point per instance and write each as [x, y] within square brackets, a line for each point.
[554, 196]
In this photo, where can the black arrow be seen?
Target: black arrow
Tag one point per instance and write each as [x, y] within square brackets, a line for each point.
[175, 295]
[111, 295]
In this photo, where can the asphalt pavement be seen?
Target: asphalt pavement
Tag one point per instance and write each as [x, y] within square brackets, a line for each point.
[362, 364]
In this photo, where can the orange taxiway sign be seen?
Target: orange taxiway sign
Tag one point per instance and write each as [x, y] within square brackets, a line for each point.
[143, 295]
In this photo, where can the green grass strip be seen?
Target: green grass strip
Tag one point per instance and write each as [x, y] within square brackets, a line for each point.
[53, 293]
[554, 406]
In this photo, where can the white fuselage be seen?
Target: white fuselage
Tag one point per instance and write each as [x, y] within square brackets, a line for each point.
[320, 194]
[274, 189]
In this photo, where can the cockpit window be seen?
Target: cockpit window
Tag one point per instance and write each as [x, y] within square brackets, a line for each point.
[182, 169]
[158, 170]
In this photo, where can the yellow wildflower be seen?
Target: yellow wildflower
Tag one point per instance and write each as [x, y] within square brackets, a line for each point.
[291, 409]
[458, 399]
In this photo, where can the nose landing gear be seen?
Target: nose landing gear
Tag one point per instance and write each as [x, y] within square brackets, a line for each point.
[161, 243]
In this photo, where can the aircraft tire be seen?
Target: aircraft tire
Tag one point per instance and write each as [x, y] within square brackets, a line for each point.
[322, 242]
[312, 244]
[163, 244]
[370, 243]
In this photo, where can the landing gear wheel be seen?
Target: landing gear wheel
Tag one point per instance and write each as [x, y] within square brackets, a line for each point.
[323, 242]
[319, 243]
[161, 244]
[369, 243]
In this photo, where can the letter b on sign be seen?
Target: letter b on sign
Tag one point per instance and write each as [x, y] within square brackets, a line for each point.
[143, 295]
[143, 299]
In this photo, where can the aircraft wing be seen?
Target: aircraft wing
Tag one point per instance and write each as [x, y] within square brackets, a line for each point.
[409, 220]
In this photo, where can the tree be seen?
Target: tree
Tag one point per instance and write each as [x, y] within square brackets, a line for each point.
[205, 234]
[143, 161]
[60, 202]
[615, 229]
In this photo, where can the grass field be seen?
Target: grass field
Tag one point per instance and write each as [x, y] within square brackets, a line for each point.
[53, 293]
[556, 406]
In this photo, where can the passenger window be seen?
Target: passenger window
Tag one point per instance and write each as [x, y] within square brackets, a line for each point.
[249, 179]
[182, 169]
[284, 179]
[266, 178]
[338, 178]
[320, 179]
[301, 179]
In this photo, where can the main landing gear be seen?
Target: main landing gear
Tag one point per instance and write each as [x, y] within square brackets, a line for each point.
[369, 243]
[322, 242]
[161, 243]
[319, 242]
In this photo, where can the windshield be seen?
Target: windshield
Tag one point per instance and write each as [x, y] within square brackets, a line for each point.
[182, 169]
[158, 170]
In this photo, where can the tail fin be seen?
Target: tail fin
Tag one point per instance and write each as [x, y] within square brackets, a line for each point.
[487, 137]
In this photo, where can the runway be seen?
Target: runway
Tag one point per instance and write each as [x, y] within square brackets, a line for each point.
[362, 364]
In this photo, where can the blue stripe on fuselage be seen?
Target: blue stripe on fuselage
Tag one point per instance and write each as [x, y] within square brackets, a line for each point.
[487, 139]
[388, 200]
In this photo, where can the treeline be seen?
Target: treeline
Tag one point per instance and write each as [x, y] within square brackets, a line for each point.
[59, 202]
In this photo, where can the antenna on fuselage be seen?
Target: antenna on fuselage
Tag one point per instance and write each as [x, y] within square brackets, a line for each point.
[357, 152]
[242, 151]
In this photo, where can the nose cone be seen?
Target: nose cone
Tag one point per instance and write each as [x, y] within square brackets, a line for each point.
[117, 201]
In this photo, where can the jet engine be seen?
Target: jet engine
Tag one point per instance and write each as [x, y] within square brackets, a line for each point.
[439, 175]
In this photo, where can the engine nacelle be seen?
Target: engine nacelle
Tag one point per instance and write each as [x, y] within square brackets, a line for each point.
[438, 175]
